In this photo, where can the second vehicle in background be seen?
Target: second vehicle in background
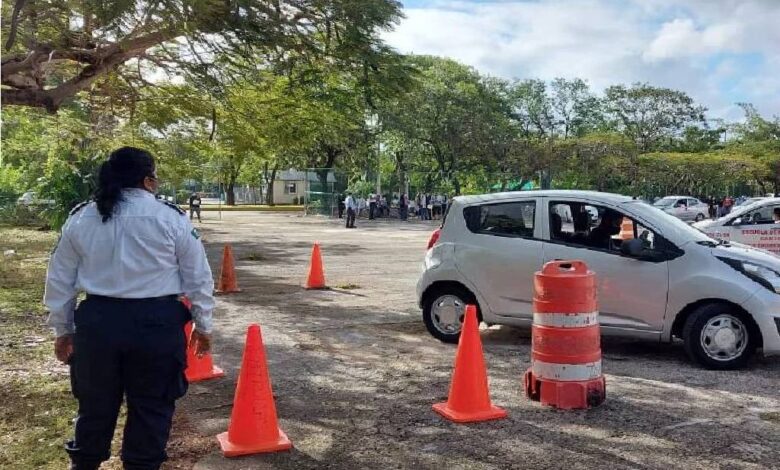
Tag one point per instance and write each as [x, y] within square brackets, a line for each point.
[685, 208]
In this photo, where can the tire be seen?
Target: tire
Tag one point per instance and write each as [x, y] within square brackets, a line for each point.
[733, 329]
[458, 297]
[699, 217]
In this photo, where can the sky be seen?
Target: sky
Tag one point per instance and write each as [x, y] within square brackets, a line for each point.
[720, 52]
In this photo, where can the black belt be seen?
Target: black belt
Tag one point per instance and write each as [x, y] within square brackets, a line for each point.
[147, 299]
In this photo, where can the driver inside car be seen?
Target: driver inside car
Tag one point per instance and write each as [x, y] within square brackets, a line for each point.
[601, 236]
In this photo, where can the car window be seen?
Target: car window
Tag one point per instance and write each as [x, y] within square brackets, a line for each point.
[509, 219]
[585, 225]
[760, 216]
[693, 202]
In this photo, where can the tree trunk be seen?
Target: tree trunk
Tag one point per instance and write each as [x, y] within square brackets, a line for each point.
[230, 198]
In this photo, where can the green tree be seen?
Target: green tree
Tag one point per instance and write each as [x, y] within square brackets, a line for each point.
[58, 48]
[648, 114]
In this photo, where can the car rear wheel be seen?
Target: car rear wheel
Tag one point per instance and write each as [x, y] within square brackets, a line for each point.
[699, 217]
[718, 337]
[443, 312]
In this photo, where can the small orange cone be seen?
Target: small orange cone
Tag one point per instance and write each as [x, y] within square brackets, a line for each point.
[626, 229]
[253, 427]
[469, 399]
[199, 368]
[316, 279]
[227, 278]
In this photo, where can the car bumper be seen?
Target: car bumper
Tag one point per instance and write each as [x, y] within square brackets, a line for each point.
[765, 307]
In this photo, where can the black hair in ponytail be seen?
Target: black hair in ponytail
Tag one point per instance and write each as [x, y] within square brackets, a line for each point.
[125, 168]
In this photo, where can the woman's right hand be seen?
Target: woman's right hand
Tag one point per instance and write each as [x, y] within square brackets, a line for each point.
[201, 342]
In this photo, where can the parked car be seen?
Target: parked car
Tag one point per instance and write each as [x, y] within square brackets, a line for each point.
[683, 207]
[751, 200]
[671, 280]
[751, 224]
[30, 198]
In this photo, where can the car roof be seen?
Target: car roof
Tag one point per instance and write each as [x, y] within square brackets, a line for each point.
[550, 193]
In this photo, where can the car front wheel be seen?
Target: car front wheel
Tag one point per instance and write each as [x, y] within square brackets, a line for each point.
[443, 312]
[719, 338]
[699, 217]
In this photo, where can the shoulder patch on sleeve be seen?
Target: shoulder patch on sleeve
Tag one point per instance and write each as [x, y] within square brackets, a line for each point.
[173, 206]
[195, 233]
[79, 206]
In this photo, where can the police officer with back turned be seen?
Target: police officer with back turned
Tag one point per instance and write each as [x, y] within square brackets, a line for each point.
[133, 255]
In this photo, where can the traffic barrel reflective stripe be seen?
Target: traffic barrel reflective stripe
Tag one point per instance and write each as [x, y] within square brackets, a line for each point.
[565, 367]
[566, 320]
[566, 372]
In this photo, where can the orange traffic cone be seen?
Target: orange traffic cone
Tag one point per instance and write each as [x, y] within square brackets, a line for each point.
[626, 229]
[199, 368]
[227, 278]
[316, 279]
[253, 427]
[469, 399]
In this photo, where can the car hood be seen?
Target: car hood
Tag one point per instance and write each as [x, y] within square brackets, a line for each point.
[747, 253]
[705, 224]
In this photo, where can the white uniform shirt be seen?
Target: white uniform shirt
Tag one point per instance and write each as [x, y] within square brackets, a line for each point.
[146, 249]
[350, 203]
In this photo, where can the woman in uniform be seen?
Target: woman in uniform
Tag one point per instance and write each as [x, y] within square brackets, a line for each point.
[134, 256]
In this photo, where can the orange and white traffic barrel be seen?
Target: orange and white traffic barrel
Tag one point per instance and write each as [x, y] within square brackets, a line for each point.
[565, 367]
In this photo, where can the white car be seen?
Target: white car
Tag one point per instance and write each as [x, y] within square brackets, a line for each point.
[670, 280]
[752, 224]
[30, 198]
[683, 207]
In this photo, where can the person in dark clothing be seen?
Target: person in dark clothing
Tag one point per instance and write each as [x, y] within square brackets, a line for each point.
[403, 207]
[601, 236]
[342, 206]
[195, 205]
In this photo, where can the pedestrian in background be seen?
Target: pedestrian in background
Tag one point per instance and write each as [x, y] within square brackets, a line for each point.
[134, 256]
[352, 208]
[341, 206]
[403, 207]
[194, 204]
[371, 206]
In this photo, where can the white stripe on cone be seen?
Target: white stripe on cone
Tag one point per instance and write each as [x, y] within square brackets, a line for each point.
[566, 372]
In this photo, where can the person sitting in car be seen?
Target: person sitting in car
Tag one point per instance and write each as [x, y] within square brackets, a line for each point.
[601, 236]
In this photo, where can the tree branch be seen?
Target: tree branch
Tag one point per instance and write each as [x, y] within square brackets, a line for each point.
[14, 23]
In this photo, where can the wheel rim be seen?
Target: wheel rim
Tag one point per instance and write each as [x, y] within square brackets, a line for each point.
[724, 338]
[447, 314]
[699, 218]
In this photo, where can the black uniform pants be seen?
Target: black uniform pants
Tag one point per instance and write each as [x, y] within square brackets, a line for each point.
[350, 218]
[133, 349]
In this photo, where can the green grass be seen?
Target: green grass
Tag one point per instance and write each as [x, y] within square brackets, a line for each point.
[35, 417]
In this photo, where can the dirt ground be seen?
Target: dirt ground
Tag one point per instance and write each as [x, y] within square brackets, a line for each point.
[355, 373]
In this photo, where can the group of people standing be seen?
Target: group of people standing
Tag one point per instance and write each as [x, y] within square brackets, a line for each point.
[719, 208]
[423, 206]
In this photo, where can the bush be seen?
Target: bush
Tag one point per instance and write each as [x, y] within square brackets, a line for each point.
[19, 215]
[70, 179]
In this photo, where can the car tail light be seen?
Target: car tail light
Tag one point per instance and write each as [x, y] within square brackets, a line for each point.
[434, 238]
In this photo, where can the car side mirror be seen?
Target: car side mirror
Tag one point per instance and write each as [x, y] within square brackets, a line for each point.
[632, 248]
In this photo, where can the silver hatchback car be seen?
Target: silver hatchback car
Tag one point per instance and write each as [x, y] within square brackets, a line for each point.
[665, 280]
[685, 208]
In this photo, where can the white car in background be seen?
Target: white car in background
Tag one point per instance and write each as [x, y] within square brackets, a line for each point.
[30, 198]
[684, 208]
[751, 224]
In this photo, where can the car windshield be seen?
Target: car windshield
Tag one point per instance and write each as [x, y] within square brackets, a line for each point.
[670, 227]
[665, 202]
[745, 208]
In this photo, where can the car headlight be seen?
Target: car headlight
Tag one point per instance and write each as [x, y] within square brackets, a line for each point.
[763, 275]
